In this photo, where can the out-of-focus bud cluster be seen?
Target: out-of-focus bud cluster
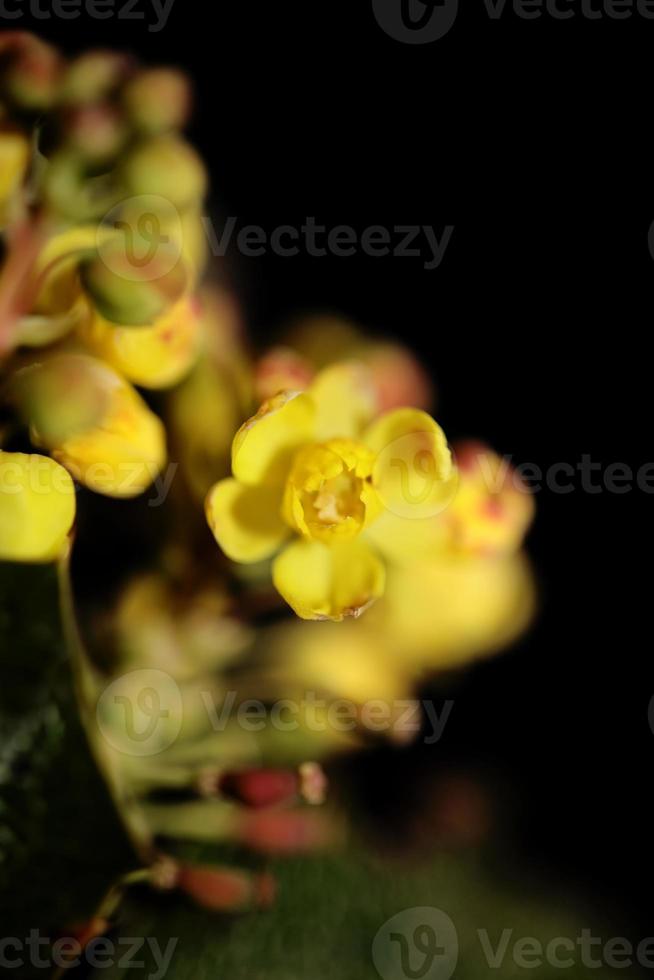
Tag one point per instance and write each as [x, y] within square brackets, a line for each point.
[102, 253]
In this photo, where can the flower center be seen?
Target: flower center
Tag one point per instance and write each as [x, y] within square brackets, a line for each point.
[328, 489]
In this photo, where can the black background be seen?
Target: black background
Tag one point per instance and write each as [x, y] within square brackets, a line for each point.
[532, 138]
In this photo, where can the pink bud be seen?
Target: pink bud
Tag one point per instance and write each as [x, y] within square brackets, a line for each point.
[225, 889]
[260, 787]
[282, 369]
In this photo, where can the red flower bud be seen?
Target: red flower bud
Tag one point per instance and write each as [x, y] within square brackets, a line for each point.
[225, 889]
[260, 787]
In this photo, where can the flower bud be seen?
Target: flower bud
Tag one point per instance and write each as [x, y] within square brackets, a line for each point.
[93, 76]
[68, 189]
[493, 507]
[282, 369]
[97, 132]
[225, 889]
[33, 76]
[37, 507]
[158, 100]
[260, 787]
[168, 167]
[397, 377]
[130, 294]
[102, 431]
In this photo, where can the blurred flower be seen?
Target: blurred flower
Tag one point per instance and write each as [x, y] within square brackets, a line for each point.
[186, 635]
[444, 611]
[168, 167]
[158, 99]
[37, 507]
[93, 422]
[493, 508]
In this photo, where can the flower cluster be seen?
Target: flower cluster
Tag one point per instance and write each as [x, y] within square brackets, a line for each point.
[316, 465]
[102, 256]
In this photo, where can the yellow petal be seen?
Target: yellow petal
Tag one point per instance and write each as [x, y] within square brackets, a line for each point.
[245, 521]
[58, 263]
[402, 540]
[442, 612]
[156, 356]
[345, 401]
[37, 507]
[122, 457]
[264, 446]
[413, 471]
[328, 582]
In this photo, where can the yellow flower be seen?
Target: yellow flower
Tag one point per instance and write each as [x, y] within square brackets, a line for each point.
[445, 610]
[93, 422]
[37, 507]
[311, 464]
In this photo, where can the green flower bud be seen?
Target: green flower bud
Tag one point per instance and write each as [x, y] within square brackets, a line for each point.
[158, 100]
[93, 76]
[32, 78]
[70, 191]
[168, 167]
[121, 296]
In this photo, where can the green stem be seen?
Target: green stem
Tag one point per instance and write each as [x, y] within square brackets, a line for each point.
[86, 690]
[109, 904]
